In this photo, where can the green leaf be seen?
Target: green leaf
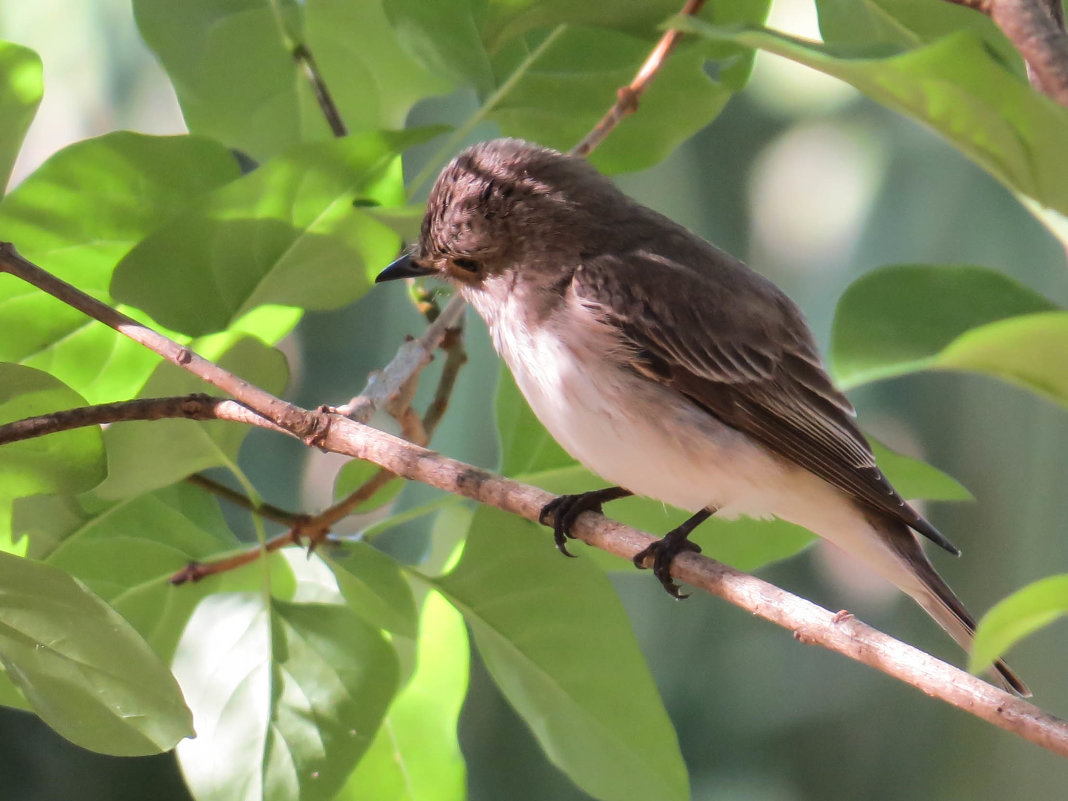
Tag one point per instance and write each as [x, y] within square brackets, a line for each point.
[126, 552]
[369, 73]
[145, 455]
[76, 217]
[524, 444]
[68, 461]
[445, 36]
[285, 234]
[82, 668]
[551, 630]
[957, 87]
[21, 87]
[1013, 618]
[375, 588]
[917, 480]
[899, 320]
[908, 23]
[10, 696]
[565, 91]
[286, 697]
[416, 756]
[232, 68]
[353, 475]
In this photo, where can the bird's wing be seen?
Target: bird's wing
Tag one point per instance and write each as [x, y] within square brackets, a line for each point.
[740, 350]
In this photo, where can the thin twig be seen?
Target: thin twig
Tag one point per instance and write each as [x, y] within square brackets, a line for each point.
[628, 97]
[314, 529]
[306, 60]
[1036, 30]
[412, 357]
[265, 510]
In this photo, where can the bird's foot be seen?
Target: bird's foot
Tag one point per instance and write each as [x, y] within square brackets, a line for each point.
[663, 553]
[565, 509]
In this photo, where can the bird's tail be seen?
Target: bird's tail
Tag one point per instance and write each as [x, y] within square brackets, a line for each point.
[932, 593]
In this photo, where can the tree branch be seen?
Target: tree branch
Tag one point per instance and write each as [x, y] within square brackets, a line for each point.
[628, 96]
[1036, 30]
[299, 422]
[809, 623]
[303, 56]
[190, 407]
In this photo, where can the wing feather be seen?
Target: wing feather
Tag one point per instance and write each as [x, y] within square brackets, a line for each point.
[740, 350]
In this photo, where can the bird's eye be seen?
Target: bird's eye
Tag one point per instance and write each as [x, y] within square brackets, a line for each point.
[466, 264]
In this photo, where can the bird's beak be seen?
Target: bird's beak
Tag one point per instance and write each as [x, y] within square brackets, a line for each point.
[403, 267]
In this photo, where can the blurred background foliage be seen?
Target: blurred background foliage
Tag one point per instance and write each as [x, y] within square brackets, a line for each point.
[813, 185]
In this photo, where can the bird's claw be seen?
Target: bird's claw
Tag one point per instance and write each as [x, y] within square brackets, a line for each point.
[663, 553]
[564, 509]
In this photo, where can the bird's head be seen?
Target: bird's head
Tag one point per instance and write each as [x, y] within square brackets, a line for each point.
[499, 207]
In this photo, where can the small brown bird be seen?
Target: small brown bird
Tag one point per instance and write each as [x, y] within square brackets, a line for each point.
[665, 365]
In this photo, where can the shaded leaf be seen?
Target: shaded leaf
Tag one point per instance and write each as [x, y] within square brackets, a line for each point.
[550, 631]
[899, 320]
[1024, 612]
[231, 65]
[21, 87]
[126, 553]
[371, 77]
[82, 668]
[446, 37]
[285, 234]
[285, 697]
[565, 91]
[416, 755]
[375, 588]
[353, 475]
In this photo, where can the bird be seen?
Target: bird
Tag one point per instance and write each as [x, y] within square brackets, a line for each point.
[665, 366]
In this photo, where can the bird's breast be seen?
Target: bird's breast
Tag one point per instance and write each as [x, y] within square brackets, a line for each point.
[624, 427]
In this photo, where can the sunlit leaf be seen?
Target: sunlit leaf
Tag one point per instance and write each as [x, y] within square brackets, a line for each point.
[68, 461]
[550, 630]
[20, 92]
[416, 756]
[285, 234]
[82, 668]
[909, 23]
[955, 85]
[148, 454]
[76, 217]
[285, 697]
[1016, 617]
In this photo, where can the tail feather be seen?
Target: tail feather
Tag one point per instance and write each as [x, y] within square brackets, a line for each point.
[933, 594]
